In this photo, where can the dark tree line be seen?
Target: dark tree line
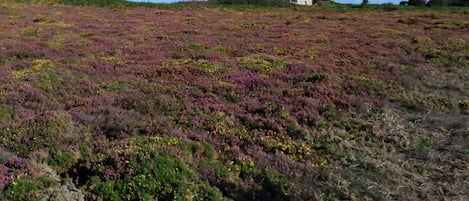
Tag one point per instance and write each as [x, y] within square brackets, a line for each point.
[437, 2]
[448, 3]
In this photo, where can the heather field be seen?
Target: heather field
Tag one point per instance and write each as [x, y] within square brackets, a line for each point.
[233, 103]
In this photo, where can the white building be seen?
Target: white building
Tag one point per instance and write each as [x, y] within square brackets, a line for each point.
[302, 2]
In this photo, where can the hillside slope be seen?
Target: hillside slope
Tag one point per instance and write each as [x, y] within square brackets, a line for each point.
[232, 104]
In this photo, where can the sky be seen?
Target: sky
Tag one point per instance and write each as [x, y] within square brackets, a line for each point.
[338, 1]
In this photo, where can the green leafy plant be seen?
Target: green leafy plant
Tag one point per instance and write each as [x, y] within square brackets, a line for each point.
[30, 32]
[262, 63]
[113, 86]
[6, 113]
[425, 144]
[141, 171]
[61, 160]
[22, 189]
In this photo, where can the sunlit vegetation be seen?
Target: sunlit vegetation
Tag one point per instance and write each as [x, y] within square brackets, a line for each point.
[106, 100]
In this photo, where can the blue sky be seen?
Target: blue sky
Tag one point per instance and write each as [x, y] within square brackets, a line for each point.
[338, 1]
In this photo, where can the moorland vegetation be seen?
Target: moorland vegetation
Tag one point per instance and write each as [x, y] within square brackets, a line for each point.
[126, 101]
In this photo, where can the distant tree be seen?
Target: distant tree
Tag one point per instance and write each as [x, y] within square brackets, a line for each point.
[417, 2]
[365, 2]
[448, 3]
[438, 3]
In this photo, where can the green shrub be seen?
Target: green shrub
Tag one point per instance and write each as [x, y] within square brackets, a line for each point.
[208, 66]
[22, 189]
[388, 7]
[47, 83]
[145, 170]
[208, 150]
[113, 86]
[425, 144]
[194, 47]
[277, 183]
[262, 63]
[61, 160]
[30, 32]
[45, 130]
[221, 171]
[168, 179]
[6, 113]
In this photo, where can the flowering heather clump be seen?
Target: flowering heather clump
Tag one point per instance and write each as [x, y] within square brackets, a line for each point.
[249, 80]
[205, 103]
[11, 168]
[5, 175]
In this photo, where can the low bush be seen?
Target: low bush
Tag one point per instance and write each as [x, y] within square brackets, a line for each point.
[147, 170]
